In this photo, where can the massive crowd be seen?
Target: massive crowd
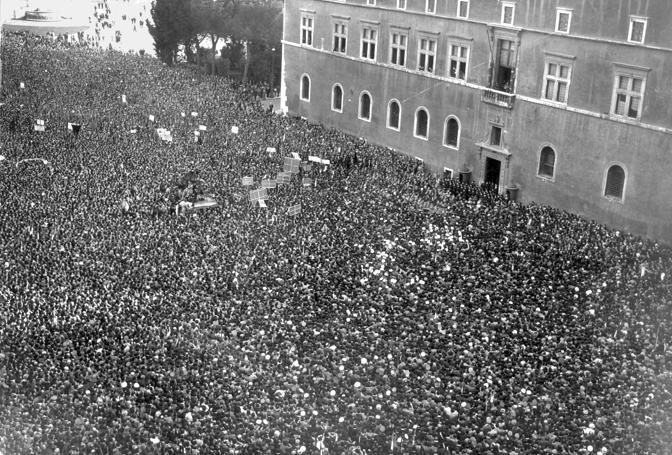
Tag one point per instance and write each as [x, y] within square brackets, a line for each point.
[396, 313]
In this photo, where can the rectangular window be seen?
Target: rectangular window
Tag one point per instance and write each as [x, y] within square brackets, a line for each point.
[496, 135]
[371, 2]
[340, 37]
[563, 20]
[457, 64]
[398, 48]
[508, 13]
[430, 6]
[556, 81]
[401, 4]
[463, 8]
[369, 42]
[637, 32]
[628, 93]
[307, 29]
[426, 55]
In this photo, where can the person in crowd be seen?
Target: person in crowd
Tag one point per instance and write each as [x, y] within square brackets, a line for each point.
[396, 312]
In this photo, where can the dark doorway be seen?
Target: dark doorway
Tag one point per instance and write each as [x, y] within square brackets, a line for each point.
[492, 168]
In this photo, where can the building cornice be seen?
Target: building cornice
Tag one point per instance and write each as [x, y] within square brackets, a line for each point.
[507, 27]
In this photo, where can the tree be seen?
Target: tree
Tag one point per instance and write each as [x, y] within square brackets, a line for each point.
[260, 26]
[215, 20]
[172, 25]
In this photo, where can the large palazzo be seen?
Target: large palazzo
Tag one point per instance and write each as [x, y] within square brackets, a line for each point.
[567, 102]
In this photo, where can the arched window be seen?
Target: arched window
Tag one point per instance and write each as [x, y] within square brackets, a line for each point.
[305, 87]
[421, 123]
[365, 106]
[451, 137]
[547, 162]
[337, 98]
[614, 186]
[393, 115]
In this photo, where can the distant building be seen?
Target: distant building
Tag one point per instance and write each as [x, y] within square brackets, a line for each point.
[43, 17]
[569, 101]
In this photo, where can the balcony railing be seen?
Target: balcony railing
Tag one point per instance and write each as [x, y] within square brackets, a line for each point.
[498, 98]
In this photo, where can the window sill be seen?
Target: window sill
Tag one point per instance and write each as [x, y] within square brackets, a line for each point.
[546, 178]
[305, 100]
[426, 138]
[368, 120]
[457, 80]
[614, 199]
[625, 118]
[554, 103]
[452, 147]
[393, 129]
[337, 111]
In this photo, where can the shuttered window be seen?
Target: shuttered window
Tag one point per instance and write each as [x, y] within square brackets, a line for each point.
[547, 162]
[421, 123]
[452, 132]
[393, 114]
[365, 106]
[615, 182]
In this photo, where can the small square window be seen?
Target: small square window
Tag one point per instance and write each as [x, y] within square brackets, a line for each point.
[637, 32]
[496, 135]
[508, 13]
[563, 21]
[463, 8]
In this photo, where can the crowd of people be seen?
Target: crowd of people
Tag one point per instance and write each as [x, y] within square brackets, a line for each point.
[396, 312]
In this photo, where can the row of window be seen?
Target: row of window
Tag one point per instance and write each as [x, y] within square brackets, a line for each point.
[427, 47]
[628, 85]
[451, 136]
[563, 17]
[615, 180]
[614, 184]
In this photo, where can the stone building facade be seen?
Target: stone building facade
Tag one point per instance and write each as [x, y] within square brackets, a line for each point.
[568, 102]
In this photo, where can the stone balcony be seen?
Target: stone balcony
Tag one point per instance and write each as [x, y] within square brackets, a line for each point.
[497, 98]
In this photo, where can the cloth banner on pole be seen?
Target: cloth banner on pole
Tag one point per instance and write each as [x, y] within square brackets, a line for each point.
[283, 178]
[294, 210]
[74, 127]
[307, 167]
[202, 128]
[306, 181]
[234, 129]
[271, 150]
[268, 183]
[296, 156]
[291, 165]
[259, 195]
[151, 118]
[39, 125]
[248, 181]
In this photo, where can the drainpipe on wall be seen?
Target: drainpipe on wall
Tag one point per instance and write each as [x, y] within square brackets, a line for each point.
[283, 87]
